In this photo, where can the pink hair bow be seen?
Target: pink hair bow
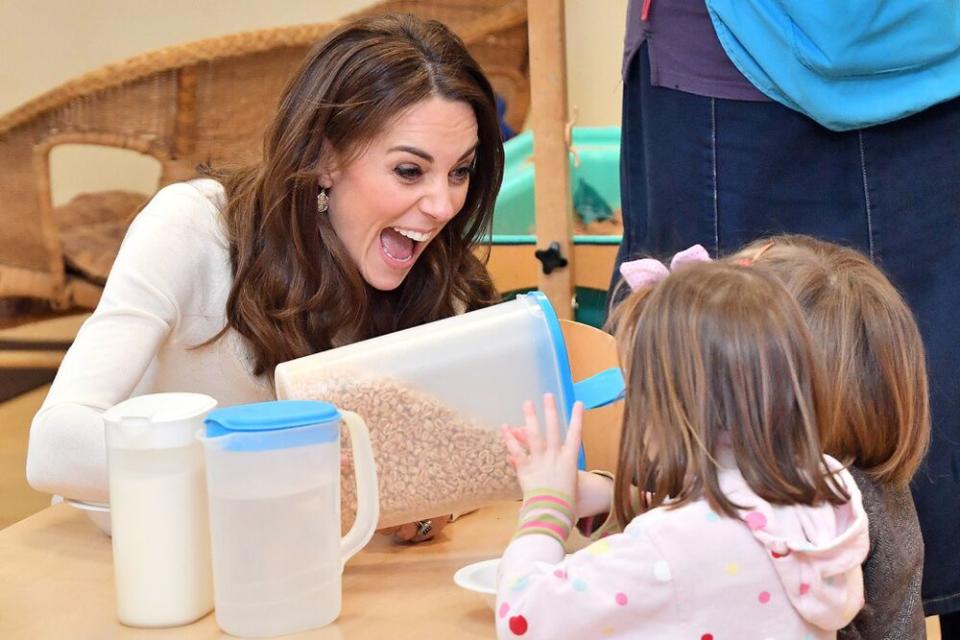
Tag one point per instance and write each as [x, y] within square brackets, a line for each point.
[647, 272]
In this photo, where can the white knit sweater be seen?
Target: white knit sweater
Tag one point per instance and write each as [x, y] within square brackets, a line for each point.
[166, 293]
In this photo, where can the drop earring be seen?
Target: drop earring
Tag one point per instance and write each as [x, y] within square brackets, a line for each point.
[323, 201]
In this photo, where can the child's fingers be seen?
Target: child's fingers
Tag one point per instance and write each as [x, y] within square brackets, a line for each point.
[552, 426]
[517, 452]
[520, 433]
[575, 429]
[531, 426]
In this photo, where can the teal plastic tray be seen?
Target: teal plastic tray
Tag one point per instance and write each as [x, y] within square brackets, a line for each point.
[596, 161]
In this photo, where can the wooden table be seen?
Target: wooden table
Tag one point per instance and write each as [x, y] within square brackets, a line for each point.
[56, 581]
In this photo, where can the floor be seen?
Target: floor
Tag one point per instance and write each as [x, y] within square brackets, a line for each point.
[17, 499]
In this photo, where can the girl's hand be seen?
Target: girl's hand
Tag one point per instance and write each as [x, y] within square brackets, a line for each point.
[594, 495]
[543, 462]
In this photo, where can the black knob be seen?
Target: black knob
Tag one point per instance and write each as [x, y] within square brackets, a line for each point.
[551, 258]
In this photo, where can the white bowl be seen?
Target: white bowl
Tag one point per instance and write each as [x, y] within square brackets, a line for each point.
[98, 512]
[480, 577]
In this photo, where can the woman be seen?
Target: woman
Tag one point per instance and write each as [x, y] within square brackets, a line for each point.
[378, 177]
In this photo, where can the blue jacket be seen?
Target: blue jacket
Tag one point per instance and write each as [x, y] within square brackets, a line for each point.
[847, 64]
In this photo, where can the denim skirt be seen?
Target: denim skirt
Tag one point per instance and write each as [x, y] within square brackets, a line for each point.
[722, 173]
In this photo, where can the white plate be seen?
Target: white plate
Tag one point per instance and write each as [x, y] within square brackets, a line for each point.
[481, 578]
[98, 512]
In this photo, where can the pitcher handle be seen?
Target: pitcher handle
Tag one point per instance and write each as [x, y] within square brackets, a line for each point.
[368, 495]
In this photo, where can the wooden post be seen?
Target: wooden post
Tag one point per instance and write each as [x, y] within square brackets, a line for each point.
[548, 88]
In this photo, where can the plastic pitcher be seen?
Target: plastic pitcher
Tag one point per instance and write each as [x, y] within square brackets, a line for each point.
[434, 397]
[273, 476]
[158, 509]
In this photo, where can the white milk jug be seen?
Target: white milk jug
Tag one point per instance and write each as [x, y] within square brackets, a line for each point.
[273, 475]
[158, 509]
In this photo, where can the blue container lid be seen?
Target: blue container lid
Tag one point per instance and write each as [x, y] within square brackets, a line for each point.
[559, 348]
[262, 424]
[563, 360]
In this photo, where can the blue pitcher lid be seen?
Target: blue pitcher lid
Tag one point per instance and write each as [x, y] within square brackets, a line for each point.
[269, 416]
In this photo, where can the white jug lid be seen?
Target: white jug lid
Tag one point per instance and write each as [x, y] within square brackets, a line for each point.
[174, 419]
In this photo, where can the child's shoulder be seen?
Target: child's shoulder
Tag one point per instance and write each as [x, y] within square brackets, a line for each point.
[663, 522]
[890, 510]
[689, 537]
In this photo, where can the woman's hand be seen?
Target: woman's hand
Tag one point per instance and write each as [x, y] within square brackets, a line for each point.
[419, 531]
[543, 462]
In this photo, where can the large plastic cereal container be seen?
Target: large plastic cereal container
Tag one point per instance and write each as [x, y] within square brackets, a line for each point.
[434, 397]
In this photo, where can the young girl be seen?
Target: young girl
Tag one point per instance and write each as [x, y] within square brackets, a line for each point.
[874, 363]
[745, 530]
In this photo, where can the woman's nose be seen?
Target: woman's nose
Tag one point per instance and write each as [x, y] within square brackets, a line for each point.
[441, 203]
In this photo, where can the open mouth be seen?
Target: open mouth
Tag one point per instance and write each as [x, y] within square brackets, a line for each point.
[402, 245]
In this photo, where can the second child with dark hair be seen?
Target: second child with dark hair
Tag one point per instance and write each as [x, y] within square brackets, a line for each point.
[745, 529]
[874, 363]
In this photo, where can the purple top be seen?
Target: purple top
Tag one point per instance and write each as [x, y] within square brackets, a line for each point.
[685, 53]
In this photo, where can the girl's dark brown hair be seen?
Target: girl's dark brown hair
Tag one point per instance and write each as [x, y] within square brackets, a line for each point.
[872, 351]
[295, 288]
[718, 354]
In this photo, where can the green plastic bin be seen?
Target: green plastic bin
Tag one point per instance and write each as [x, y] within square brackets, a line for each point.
[595, 162]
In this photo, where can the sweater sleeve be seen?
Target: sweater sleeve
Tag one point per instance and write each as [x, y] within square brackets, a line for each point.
[618, 585]
[153, 277]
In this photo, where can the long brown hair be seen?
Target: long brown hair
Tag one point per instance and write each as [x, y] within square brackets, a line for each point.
[295, 288]
[872, 350]
[717, 354]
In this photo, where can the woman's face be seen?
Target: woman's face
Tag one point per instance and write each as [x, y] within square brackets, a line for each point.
[391, 201]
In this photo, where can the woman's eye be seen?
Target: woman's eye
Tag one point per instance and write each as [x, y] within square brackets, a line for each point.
[462, 174]
[407, 172]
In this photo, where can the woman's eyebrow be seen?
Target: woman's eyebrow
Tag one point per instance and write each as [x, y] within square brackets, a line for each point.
[415, 151]
[420, 153]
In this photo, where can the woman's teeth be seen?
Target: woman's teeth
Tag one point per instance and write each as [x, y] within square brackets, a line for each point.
[416, 236]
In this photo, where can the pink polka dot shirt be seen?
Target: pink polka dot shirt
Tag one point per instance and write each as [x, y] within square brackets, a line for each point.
[778, 572]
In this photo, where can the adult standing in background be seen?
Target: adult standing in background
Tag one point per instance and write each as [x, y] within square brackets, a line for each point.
[708, 158]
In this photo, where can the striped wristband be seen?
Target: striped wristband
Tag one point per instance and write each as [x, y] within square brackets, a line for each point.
[546, 512]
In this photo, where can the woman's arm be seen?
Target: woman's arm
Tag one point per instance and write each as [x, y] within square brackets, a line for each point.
[154, 273]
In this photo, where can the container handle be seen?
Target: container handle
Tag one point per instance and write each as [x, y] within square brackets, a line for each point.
[600, 389]
[368, 497]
